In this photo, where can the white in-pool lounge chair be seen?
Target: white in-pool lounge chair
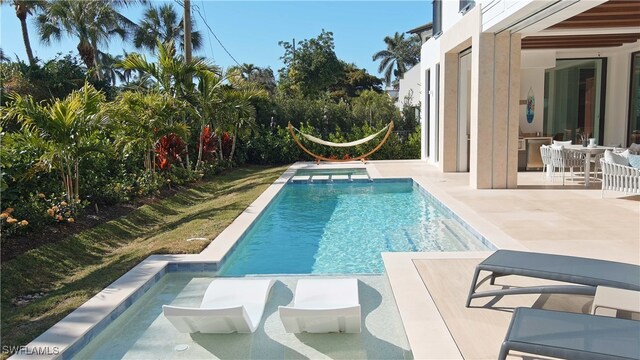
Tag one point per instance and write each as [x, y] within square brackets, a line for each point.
[229, 305]
[323, 306]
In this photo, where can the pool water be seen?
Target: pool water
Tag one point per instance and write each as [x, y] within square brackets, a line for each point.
[342, 227]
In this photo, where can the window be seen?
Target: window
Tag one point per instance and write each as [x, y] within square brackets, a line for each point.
[436, 115]
[634, 100]
[437, 18]
[466, 5]
[427, 111]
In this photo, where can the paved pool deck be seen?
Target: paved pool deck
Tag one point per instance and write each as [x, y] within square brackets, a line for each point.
[537, 216]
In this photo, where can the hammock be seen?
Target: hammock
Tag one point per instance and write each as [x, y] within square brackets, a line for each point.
[314, 139]
[348, 144]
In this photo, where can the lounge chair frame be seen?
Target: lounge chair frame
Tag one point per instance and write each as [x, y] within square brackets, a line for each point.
[588, 337]
[569, 269]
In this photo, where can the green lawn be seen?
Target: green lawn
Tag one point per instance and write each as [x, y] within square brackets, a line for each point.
[75, 269]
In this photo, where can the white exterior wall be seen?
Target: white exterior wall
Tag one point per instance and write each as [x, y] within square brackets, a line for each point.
[533, 65]
[498, 15]
[429, 57]
[410, 84]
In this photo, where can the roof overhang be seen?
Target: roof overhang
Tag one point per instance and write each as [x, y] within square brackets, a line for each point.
[609, 24]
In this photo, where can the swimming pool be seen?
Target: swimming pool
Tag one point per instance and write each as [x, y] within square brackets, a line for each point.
[342, 227]
[142, 332]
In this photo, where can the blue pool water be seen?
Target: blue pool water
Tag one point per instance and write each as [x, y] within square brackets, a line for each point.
[341, 228]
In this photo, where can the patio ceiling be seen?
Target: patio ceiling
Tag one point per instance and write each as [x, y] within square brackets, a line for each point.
[593, 28]
[578, 41]
[613, 13]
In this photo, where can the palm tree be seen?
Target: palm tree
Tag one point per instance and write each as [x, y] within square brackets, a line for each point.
[93, 22]
[237, 111]
[25, 8]
[162, 23]
[111, 73]
[258, 75]
[66, 128]
[208, 99]
[401, 54]
[139, 119]
[3, 57]
[171, 73]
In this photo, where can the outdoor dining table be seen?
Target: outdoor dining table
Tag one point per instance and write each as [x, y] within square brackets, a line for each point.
[588, 151]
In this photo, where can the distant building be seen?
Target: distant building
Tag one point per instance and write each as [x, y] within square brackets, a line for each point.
[409, 83]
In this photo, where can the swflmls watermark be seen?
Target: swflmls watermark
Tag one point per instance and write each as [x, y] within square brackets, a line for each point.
[31, 350]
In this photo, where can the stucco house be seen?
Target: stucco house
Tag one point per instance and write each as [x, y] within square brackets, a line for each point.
[497, 71]
[409, 85]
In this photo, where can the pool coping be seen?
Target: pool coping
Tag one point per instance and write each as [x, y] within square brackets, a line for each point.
[67, 336]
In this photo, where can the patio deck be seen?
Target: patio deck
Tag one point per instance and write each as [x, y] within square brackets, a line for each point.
[430, 289]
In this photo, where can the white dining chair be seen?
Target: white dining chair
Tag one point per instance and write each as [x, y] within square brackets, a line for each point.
[564, 159]
[547, 166]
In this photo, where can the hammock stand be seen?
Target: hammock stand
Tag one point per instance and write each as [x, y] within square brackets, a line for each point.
[327, 143]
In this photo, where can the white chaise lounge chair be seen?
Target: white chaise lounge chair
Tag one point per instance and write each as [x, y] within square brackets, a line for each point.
[229, 305]
[323, 306]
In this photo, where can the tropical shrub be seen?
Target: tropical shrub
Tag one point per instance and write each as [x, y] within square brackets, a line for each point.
[10, 223]
[169, 150]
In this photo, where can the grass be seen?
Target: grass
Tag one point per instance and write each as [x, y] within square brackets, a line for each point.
[73, 270]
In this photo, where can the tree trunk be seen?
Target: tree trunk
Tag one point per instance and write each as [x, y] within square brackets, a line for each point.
[77, 191]
[200, 142]
[233, 146]
[220, 154]
[186, 149]
[187, 30]
[96, 63]
[22, 15]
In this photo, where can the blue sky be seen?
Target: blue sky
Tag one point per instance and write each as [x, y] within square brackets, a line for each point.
[250, 30]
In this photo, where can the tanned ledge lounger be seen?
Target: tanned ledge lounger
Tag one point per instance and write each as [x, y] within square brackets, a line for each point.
[584, 274]
[228, 305]
[572, 336]
[323, 306]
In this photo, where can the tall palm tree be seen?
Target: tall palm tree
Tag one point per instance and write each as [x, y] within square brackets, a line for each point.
[401, 54]
[25, 8]
[163, 23]
[93, 22]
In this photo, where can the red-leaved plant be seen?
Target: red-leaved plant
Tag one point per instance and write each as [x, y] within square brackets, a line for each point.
[209, 143]
[169, 150]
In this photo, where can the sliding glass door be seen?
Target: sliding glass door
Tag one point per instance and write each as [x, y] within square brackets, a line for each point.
[574, 99]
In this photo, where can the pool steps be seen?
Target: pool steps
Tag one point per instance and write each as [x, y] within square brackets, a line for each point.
[455, 231]
[330, 178]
